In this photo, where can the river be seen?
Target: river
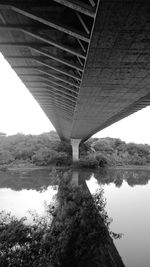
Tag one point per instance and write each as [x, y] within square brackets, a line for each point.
[127, 194]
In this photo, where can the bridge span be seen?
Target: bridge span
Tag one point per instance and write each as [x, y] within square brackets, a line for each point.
[86, 62]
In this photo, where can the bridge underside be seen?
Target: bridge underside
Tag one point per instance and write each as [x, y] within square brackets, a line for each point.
[86, 63]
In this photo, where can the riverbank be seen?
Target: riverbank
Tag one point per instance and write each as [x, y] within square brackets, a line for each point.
[24, 167]
[31, 167]
[47, 150]
[131, 167]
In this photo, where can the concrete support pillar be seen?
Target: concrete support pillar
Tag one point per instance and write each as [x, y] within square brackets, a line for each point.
[75, 148]
[75, 178]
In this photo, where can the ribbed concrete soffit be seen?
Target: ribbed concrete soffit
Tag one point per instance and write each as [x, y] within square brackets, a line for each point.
[46, 43]
[116, 77]
[85, 61]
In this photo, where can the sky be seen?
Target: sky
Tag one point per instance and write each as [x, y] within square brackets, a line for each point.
[20, 113]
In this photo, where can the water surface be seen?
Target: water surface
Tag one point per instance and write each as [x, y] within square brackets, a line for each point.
[126, 192]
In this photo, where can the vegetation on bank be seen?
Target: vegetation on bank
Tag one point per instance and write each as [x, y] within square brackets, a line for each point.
[74, 232]
[47, 149]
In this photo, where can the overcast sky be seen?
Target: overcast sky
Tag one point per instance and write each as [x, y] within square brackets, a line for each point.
[19, 112]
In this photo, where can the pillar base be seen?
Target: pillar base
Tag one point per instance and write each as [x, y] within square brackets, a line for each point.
[75, 178]
[75, 149]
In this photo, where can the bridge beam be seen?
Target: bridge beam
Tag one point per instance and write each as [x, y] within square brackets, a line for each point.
[75, 149]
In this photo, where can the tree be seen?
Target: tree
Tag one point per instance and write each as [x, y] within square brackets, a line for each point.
[5, 157]
[75, 232]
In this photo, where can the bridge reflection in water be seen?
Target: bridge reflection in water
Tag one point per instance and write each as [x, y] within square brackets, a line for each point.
[81, 226]
[20, 192]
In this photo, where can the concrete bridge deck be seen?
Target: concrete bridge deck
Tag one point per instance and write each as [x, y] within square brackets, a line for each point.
[86, 62]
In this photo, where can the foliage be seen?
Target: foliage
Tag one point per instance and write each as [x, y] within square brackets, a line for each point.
[117, 152]
[47, 149]
[5, 157]
[42, 150]
[75, 232]
[88, 162]
[102, 159]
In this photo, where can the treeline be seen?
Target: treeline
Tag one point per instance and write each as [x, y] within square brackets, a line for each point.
[117, 152]
[47, 149]
[40, 150]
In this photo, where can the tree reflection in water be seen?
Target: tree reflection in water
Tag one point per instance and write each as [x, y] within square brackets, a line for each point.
[116, 176]
[79, 234]
[40, 179]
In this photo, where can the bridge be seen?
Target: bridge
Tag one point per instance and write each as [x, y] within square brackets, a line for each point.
[86, 62]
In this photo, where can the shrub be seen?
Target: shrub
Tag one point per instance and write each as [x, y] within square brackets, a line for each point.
[88, 162]
[102, 160]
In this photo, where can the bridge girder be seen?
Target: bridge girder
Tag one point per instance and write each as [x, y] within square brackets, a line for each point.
[86, 64]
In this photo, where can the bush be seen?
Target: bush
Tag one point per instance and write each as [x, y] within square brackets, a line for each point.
[102, 160]
[5, 157]
[62, 158]
[44, 157]
[88, 162]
